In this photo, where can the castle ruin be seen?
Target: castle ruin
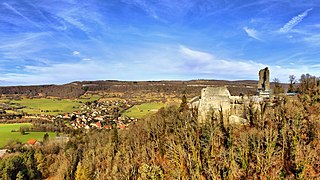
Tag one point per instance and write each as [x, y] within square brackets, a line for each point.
[217, 101]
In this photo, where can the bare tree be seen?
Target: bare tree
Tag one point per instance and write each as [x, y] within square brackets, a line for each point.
[307, 83]
[277, 86]
[292, 79]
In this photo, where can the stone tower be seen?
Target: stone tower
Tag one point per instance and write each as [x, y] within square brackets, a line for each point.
[264, 83]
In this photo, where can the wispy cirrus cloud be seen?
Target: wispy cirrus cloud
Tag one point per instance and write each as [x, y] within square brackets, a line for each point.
[294, 21]
[41, 27]
[74, 21]
[8, 6]
[163, 10]
[197, 55]
[252, 33]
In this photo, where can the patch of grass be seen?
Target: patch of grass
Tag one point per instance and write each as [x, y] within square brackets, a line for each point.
[86, 98]
[11, 112]
[142, 110]
[6, 134]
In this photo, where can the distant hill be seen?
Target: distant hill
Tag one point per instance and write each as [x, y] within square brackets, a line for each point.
[78, 88]
[63, 91]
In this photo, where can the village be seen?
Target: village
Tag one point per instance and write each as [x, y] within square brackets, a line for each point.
[98, 115]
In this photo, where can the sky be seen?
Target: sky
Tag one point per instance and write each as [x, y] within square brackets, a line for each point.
[60, 41]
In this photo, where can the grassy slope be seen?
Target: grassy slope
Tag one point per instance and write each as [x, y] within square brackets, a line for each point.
[142, 110]
[6, 134]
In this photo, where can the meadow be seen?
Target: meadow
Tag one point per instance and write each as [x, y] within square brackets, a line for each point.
[142, 110]
[6, 134]
[52, 106]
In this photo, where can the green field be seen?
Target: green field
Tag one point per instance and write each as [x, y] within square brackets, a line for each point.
[6, 134]
[52, 106]
[142, 110]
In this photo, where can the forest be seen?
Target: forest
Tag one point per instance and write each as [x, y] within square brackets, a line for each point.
[279, 142]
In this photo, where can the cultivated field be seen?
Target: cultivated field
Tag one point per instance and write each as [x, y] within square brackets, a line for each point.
[6, 134]
[142, 110]
[52, 106]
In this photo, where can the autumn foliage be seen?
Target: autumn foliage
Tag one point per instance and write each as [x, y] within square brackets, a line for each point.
[281, 142]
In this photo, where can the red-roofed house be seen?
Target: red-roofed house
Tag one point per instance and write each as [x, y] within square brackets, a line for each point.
[32, 141]
[107, 127]
[98, 124]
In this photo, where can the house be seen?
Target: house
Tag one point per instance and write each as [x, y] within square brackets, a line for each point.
[32, 142]
[99, 118]
[122, 126]
[2, 152]
[66, 116]
[107, 127]
[98, 124]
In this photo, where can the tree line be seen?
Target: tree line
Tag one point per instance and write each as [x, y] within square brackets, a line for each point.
[306, 83]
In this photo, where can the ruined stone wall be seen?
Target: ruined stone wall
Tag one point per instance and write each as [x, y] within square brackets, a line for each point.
[213, 99]
[238, 105]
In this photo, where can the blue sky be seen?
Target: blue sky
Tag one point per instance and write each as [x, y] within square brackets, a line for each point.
[59, 41]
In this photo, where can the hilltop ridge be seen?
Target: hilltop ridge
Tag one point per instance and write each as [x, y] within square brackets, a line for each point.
[77, 88]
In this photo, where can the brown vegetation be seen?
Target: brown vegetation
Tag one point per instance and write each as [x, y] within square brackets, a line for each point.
[281, 142]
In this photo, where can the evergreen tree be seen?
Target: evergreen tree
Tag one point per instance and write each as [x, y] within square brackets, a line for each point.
[184, 104]
[46, 138]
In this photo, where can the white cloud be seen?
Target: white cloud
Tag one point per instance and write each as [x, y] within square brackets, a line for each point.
[313, 39]
[232, 69]
[252, 33]
[197, 55]
[198, 62]
[179, 62]
[143, 66]
[58, 73]
[294, 21]
[76, 53]
[86, 59]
